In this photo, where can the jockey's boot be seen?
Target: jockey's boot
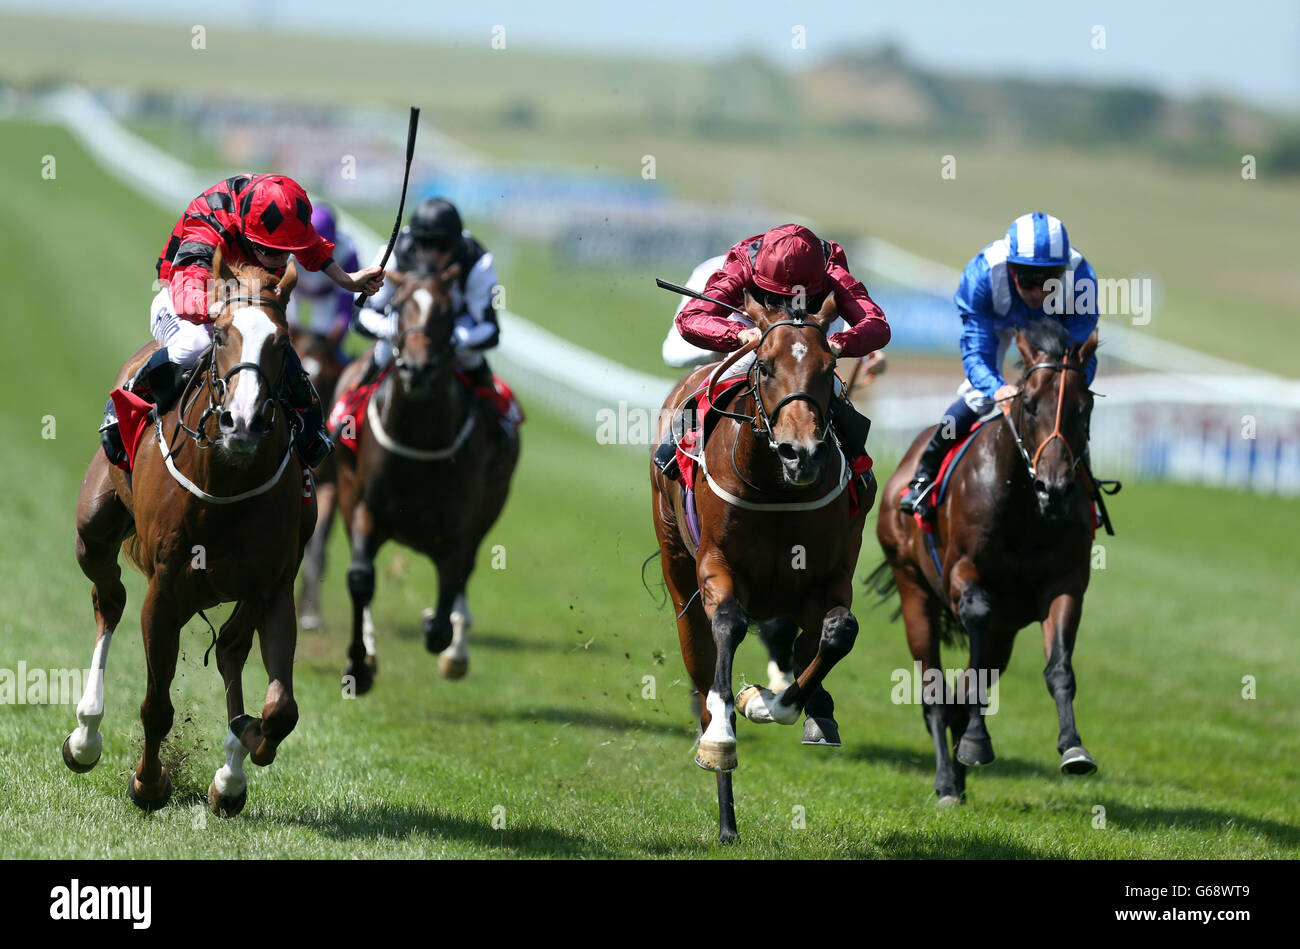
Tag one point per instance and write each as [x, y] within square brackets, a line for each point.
[665, 457]
[955, 425]
[852, 427]
[313, 442]
[158, 381]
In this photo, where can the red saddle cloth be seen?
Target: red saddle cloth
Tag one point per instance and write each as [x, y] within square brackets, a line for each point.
[353, 404]
[132, 422]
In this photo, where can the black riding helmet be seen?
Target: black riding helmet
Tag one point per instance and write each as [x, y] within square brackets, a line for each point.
[435, 221]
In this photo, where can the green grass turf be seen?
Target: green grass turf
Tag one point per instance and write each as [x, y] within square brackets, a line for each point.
[550, 725]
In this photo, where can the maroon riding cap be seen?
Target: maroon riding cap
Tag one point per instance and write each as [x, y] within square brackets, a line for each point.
[791, 258]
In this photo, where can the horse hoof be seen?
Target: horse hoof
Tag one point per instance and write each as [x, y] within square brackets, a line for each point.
[821, 731]
[950, 800]
[726, 837]
[453, 668]
[359, 678]
[149, 803]
[437, 637]
[224, 805]
[73, 763]
[1076, 760]
[309, 622]
[975, 754]
[716, 756]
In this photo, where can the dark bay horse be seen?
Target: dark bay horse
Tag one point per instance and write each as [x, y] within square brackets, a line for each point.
[1013, 538]
[432, 472]
[776, 535]
[319, 356]
[213, 512]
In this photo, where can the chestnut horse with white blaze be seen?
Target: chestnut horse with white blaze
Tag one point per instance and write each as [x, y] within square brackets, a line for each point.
[1011, 545]
[770, 486]
[212, 513]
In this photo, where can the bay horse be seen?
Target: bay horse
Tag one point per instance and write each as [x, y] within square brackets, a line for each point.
[1011, 545]
[432, 471]
[213, 512]
[320, 359]
[776, 538]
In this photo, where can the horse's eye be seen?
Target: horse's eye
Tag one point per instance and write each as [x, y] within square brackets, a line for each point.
[763, 370]
[1031, 406]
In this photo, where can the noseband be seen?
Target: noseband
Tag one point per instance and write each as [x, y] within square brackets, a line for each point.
[761, 422]
[217, 385]
[1031, 464]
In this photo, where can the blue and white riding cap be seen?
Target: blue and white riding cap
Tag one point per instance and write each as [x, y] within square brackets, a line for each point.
[1038, 240]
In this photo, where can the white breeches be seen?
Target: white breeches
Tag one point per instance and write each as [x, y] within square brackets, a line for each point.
[185, 341]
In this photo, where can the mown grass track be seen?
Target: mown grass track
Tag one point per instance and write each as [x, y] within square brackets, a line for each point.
[550, 726]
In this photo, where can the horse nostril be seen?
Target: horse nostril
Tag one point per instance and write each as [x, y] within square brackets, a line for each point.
[258, 425]
[226, 421]
[787, 453]
[1040, 486]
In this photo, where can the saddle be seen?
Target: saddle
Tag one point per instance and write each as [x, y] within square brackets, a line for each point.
[691, 440]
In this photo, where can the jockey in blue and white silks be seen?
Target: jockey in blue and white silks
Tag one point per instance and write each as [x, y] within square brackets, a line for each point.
[1001, 291]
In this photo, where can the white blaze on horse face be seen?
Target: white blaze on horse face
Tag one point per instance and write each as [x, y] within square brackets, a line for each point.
[85, 742]
[255, 327]
[424, 300]
[799, 350]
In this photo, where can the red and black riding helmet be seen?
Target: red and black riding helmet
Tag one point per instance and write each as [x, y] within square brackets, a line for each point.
[275, 212]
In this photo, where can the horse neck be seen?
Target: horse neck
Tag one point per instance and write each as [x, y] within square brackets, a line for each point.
[1012, 485]
[423, 423]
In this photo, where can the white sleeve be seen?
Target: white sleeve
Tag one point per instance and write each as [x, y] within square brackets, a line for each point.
[479, 285]
[381, 299]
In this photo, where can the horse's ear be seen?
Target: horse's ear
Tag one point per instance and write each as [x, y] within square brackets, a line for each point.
[1088, 349]
[828, 312]
[756, 311]
[1026, 351]
[221, 275]
[288, 281]
[450, 274]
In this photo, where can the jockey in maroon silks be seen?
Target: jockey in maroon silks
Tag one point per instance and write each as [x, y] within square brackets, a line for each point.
[256, 220]
[777, 268]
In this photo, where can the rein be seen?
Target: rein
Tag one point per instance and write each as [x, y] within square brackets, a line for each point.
[215, 384]
[1031, 464]
[762, 424]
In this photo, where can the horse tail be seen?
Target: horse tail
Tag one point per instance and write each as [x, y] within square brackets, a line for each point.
[131, 547]
[882, 583]
[663, 586]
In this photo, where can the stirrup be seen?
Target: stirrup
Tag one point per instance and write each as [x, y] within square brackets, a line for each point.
[917, 492]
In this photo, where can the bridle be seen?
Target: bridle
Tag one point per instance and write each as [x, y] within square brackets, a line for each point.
[218, 384]
[761, 422]
[1031, 464]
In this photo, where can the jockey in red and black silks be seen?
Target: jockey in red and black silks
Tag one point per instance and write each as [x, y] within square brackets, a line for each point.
[256, 220]
[777, 268]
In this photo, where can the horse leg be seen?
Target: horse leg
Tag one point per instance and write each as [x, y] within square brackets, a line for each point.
[102, 523]
[814, 655]
[778, 635]
[366, 540]
[151, 786]
[228, 791]
[1059, 630]
[453, 662]
[453, 576]
[974, 607]
[313, 564]
[278, 637]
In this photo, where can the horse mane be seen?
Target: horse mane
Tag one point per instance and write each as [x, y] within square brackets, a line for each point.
[1047, 336]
